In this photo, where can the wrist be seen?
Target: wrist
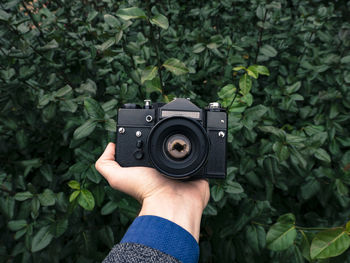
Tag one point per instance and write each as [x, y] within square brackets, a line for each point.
[185, 213]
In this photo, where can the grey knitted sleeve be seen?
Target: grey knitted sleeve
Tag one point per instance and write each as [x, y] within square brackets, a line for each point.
[136, 253]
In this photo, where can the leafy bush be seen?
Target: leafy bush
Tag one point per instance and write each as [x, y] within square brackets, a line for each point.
[66, 66]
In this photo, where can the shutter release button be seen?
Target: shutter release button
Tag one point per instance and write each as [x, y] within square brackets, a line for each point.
[138, 154]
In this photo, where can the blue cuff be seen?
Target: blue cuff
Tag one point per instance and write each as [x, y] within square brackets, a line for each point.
[165, 236]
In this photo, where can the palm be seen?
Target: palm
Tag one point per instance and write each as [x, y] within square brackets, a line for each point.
[144, 182]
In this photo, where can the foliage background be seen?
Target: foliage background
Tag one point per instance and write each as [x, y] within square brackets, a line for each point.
[288, 152]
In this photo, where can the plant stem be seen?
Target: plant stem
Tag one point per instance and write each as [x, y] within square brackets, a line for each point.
[156, 48]
[261, 30]
[312, 228]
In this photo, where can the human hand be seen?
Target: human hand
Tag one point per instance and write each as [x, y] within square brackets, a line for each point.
[180, 202]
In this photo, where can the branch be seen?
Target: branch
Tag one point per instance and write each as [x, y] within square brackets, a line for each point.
[261, 30]
[156, 47]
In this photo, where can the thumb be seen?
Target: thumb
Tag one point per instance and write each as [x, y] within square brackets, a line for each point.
[106, 164]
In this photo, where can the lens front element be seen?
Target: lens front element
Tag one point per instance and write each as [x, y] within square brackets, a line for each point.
[178, 146]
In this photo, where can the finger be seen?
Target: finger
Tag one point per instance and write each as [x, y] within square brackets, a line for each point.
[123, 179]
[106, 165]
[109, 153]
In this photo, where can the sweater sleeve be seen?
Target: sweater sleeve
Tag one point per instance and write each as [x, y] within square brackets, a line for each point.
[150, 236]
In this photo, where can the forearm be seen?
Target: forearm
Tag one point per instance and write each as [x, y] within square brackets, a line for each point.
[182, 212]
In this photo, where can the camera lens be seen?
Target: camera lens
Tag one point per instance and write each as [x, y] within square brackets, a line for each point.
[177, 146]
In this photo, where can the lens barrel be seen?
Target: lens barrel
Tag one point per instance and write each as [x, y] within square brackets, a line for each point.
[178, 147]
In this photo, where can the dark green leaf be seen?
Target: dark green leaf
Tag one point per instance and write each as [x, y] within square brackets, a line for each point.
[130, 13]
[329, 243]
[245, 84]
[233, 188]
[23, 196]
[85, 130]
[41, 239]
[16, 225]
[175, 66]
[148, 73]
[47, 198]
[111, 21]
[93, 108]
[268, 51]
[281, 236]
[86, 200]
[160, 21]
[217, 193]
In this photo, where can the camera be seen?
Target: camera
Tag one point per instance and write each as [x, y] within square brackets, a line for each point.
[179, 139]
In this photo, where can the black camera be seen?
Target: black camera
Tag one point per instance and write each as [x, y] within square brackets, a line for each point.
[179, 139]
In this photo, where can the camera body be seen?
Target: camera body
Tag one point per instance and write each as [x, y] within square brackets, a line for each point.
[179, 139]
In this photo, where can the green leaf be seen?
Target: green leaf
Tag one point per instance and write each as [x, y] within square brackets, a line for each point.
[23, 196]
[347, 227]
[93, 108]
[109, 208]
[281, 151]
[153, 85]
[311, 188]
[198, 48]
[248, 99]
[262, 70]
[297, 97]
[63, 91]
[256, 237]
[16, 225]
[85, 130]
[47, 198]
[322, 155]
[68, 105]
[245, 84]
[329, 243]
[175, 66]
[110, 125]
[217, 193]
[41, 239]
[107, 44]
[112, 21]
[210, 210]
[118, 36]
[74, 195]
[86, 200]
[341, 188]
[51, 45]
[74, 184]
[44, 100]
[92, 15]
[107, 237]
[281, 236]
[239, 68]
[253, 71]
[233, 188]
[149, 73]
[4, 15]
[160, 21]
[294, 87]
[227, 91]
[345, 60]
[7, 206]
[59, 227]
[131, 13]
[305, 246]
[287, 219]
[268, 51]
